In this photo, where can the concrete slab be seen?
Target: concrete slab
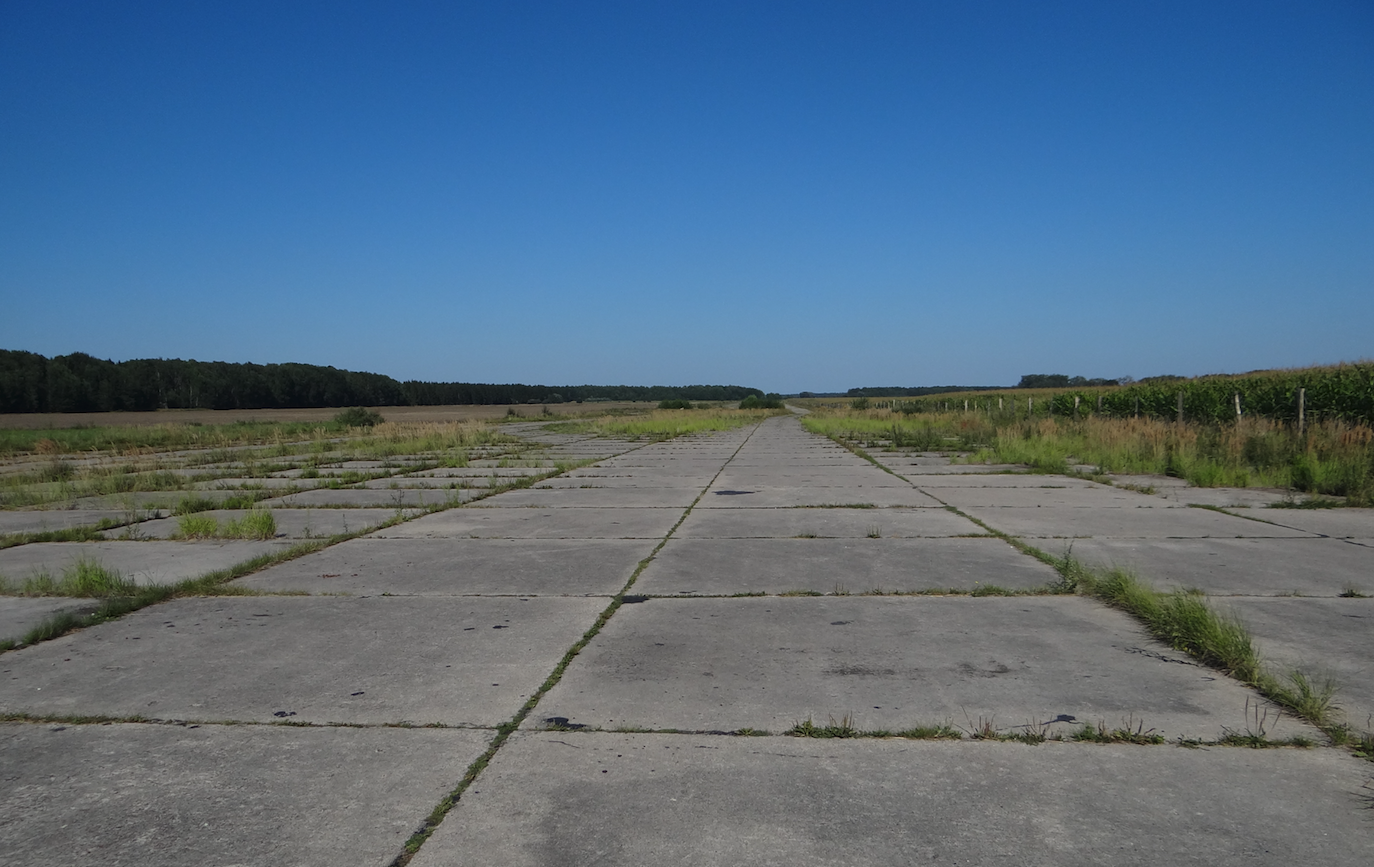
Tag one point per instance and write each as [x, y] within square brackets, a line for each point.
[291, 523]
[1033, 481]
[19, 614]
[1097, 497]
[457, 661]
[624, 480]
[924, 468]
[1248, 567]
[266, 484]
[902, 523]
[1138, 523]
[476, 472]
[725, 566]
[149, 562]
[369, 499]
[152, 795]
[1238, 498]
[795, 477]
[889, 662]
[393, 483]
[594, 498]
[1338, 523]
[1322, 638]
[588, 523]
[636, 799]
[721, 497]
[149, 499]
[61, 519]
[451, 567]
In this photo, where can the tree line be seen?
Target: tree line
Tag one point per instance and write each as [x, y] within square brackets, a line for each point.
[78, 382]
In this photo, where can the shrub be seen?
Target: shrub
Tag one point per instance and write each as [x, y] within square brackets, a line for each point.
[674, 404]
[358, 416]
[753, 401]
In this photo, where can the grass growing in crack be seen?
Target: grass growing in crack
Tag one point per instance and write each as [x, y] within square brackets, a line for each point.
[67, 534]
[845, 729]
[1127, 734]
[85, 578]
[1184, 620]
[504, 730]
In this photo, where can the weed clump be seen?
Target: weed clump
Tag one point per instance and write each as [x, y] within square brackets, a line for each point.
[85, 578]
[675, 404]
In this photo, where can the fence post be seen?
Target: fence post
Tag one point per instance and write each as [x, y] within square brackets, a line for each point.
[1030, 407]
[1099, 404]
[999, 403]
[965, 405]
[1302, 406]
[1075, 405]
[1137, 406]
[1237, 399]
[1180, 407]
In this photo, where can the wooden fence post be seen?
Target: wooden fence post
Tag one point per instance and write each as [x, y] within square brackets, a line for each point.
[1180, 407]
[1236, 396]
[1302, 406]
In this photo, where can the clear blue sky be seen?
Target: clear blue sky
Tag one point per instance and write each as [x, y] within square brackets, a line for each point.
[784, 195]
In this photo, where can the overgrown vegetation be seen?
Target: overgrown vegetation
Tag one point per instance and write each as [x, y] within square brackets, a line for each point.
[1187, 621]
[1332, 458]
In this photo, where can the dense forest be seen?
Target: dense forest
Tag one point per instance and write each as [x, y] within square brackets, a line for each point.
[29, 382]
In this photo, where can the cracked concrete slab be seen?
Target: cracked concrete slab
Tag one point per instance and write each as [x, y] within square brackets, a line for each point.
[1000, 480]
[824, 523]
[1126, 523]
[1322, 638]
[366, 498]
[582, 498]
[722, 497]
[1346, 523]
[888, 662]
[449, 567]
[535, 523]
[564, 798]
[854, 565]
[19, 614]
[1247, 567]
[146, 562]
[148, 795]
[1098, 497]
[302, 523]
[465, 661]
[39, 521]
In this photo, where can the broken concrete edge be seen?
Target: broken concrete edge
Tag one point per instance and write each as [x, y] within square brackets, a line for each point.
[505, 730]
